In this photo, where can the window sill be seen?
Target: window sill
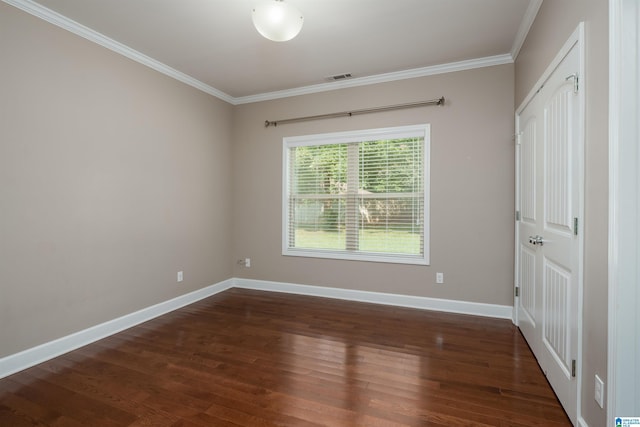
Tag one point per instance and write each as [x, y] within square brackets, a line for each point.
[357, 256]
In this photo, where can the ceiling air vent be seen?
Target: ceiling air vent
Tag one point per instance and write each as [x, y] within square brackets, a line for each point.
[339, 77]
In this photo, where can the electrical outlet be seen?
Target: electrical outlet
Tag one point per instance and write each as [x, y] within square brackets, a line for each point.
[180, 276]
[439, 277]
[599, 392]
[245, 262]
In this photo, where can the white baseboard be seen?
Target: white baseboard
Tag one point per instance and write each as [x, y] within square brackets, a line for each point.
[436, 304]
[582, 422]
[33, 356]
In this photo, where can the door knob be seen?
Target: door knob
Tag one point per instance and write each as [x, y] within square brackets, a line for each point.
[536, 240]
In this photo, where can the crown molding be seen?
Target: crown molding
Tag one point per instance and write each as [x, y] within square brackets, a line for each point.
[527, 21]
[48, 15]
[379, 78]
[74, 27]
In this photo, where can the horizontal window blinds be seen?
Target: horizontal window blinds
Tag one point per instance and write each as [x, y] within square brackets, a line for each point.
[357, 198]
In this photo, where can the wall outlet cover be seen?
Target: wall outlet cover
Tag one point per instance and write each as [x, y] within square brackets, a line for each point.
[599, 391]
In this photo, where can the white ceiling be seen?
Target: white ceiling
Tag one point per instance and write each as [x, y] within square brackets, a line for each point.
[212, 44]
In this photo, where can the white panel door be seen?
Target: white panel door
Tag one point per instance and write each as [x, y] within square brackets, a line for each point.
[549, 245]
[529, 314]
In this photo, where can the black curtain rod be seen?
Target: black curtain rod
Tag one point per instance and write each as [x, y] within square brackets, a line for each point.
[438, 101]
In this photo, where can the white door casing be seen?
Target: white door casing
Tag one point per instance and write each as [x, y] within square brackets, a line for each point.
[549, 239]
[623, 358]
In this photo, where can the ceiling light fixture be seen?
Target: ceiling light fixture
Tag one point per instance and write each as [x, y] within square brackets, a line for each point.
[277, 20]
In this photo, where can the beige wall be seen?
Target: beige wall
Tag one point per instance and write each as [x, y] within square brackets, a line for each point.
[112, 178]
[472, 186]
[554, 24]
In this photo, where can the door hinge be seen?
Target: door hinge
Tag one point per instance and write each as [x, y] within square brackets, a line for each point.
[573, 368]
[517, 215]
[575, 226]
[516, 137]
[517, 291]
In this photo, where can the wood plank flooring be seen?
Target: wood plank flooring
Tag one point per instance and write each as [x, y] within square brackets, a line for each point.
[249, 358]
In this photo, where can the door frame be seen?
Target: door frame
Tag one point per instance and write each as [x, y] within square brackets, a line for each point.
[576, 39]
[623, 361]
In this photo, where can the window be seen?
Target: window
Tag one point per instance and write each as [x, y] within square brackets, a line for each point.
[359, 195]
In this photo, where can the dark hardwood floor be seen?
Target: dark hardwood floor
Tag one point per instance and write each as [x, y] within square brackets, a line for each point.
[248, 358]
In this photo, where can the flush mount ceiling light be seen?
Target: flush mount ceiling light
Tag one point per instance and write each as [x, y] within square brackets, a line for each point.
[277, 20]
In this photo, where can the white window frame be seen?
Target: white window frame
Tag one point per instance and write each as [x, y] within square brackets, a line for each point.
[412, 131]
